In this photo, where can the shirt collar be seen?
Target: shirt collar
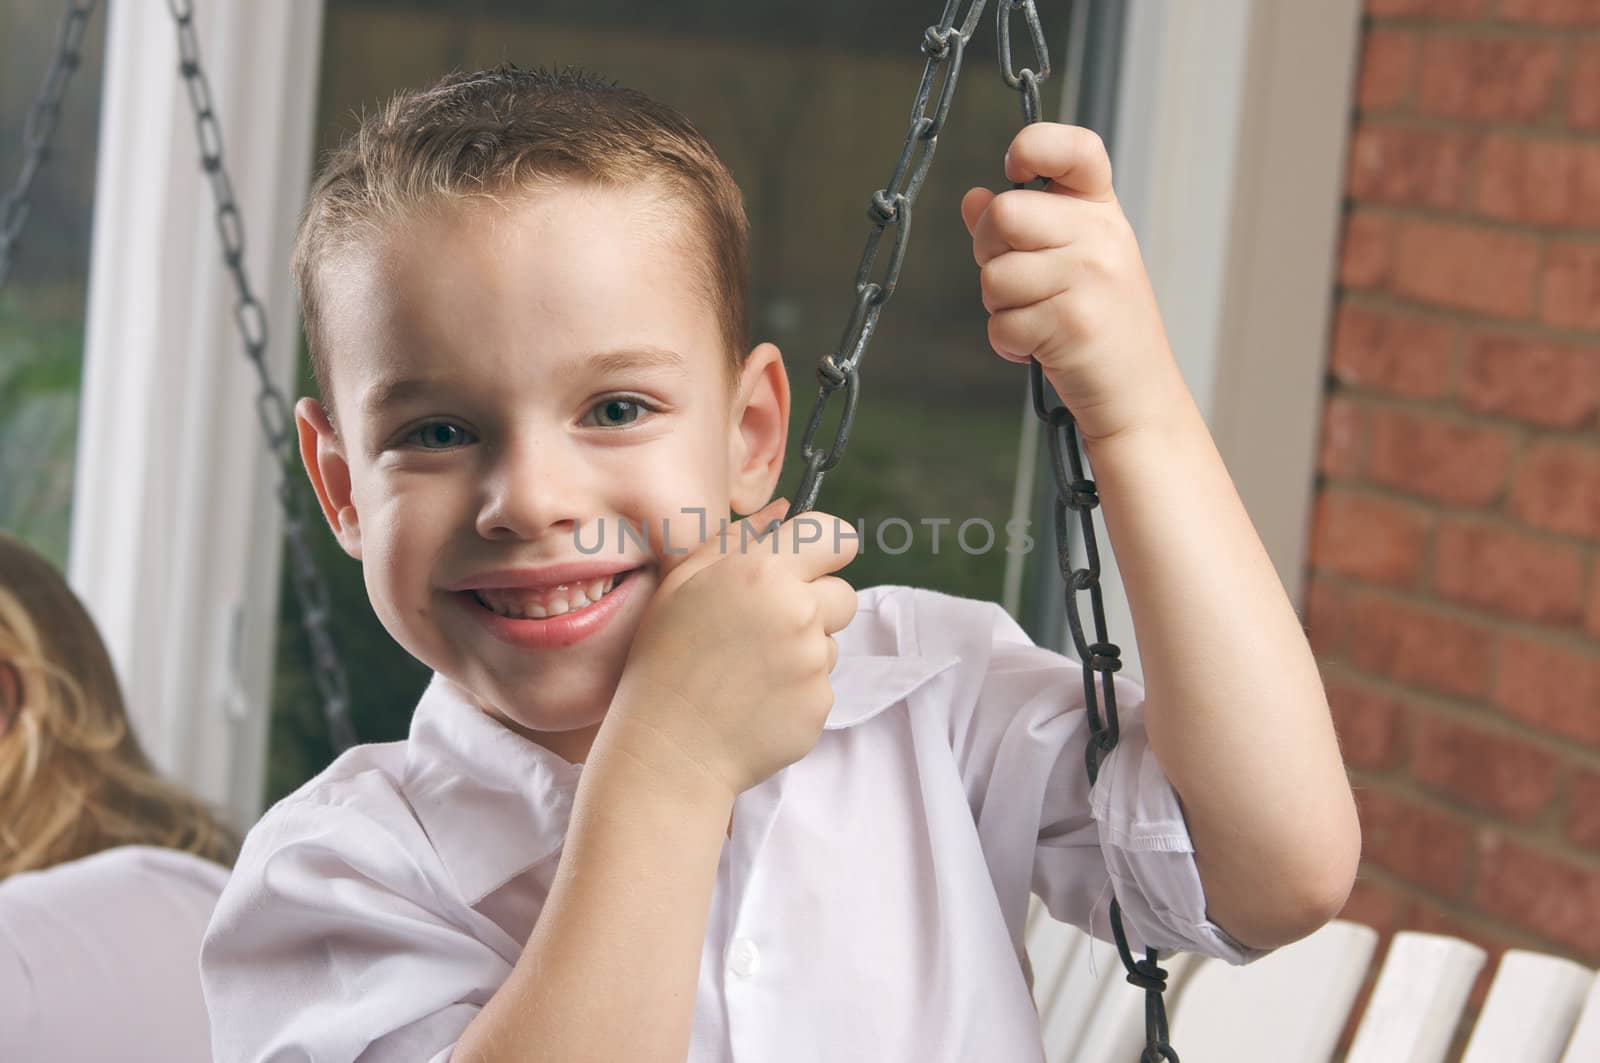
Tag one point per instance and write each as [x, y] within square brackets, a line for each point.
[493, 804]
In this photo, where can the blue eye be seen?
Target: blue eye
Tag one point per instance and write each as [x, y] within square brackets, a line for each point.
[438, 435]
[619, 407]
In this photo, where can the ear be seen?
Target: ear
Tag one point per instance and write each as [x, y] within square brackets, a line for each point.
[323, 455]
[759, 429]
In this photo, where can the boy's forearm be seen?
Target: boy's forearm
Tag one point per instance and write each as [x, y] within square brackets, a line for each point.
[611, 968]
[1235, 708]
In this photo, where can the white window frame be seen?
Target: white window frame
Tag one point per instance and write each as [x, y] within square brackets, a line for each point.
[1233, 121]
[176, 536]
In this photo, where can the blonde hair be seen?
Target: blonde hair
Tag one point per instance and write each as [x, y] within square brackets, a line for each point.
[480, 135]
[73, 780]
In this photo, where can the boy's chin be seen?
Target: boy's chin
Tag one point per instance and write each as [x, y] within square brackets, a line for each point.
[571, 743]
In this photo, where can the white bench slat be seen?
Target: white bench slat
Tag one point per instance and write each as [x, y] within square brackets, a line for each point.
[1418, 1000]
[1086, 1014]
[1114, 1031]
[1585, 1045]
[1291, 1004]
[1052, 948]
[1532, 1006]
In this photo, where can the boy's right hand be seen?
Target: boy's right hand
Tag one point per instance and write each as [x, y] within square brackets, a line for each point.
[727, 678]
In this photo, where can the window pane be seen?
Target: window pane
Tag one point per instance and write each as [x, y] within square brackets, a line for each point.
[42, 304]
[809, 104]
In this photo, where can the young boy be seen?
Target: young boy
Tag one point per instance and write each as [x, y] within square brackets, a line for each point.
[701, 799]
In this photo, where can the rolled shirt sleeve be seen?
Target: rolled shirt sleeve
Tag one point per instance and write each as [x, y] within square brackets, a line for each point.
[1019, 728]
[330, 943]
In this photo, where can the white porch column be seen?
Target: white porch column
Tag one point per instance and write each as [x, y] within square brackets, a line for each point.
[175, 534]
[1232, 126]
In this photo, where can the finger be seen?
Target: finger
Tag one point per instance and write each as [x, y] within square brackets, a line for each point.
[973, 205]
[1022, 278]
[1026, 219]
[817, 543]
[734, 537]
[1017, 334]
[836, 602]
[1072, 157]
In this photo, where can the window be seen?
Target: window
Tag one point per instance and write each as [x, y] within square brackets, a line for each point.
[42, 303]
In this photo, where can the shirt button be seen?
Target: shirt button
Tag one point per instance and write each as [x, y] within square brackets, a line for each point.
[744, 959]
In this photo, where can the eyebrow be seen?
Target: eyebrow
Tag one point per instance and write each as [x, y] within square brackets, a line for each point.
[396, 390]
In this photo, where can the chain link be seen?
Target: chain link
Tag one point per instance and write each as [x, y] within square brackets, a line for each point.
[1076, 492]
[39, 128]
[272, 407]
[944, 46]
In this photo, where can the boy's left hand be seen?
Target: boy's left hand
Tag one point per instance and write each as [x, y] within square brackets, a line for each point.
[1063, 281]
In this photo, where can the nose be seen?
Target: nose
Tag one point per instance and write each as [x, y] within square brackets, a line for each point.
[531, 489]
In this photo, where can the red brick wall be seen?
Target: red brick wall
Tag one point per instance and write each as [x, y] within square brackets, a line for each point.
[1454, 599]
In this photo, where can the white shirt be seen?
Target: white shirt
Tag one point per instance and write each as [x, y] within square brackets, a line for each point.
[99, 958]
[870, 904]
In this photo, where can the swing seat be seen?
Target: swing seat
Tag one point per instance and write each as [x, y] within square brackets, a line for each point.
[1296, 1002]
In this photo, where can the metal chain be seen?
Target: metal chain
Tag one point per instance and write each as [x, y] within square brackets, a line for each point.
[1076, 492]
[39, 128]
[943, 44]
[272, 407]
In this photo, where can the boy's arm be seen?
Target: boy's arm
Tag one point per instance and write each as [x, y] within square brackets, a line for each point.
[1235, 709]
[611, 969]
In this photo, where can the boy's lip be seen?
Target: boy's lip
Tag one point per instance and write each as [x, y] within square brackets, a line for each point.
[543, 577]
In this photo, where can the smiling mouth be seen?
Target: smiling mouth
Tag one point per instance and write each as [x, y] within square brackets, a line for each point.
[523, 604]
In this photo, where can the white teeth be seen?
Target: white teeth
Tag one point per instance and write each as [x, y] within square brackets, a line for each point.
[520, 604]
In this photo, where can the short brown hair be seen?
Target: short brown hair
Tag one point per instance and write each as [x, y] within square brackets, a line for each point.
[505, 130]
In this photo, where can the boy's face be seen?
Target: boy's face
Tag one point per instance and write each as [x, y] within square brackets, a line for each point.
[520, 444]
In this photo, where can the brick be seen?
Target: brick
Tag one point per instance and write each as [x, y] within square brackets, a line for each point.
[1593, 625]
[1466, 267]
[1417, 645]
[1417, 167]
[1367, 723]
[1489, 771]
[1535, 380]
[1510, 573]
[1583, 810]
[1541, 893]
[1557, 487]
[1388, 62]
[1366, 251]
[1344, 428]
[1431, 457]
[1440, 9]
[1391, 352]
[1551, 687]
[1551, 12]
[1539, 181]
[1324, 618]
[1378, 906]
[1583, 87]
[1370, 538]
[1572, 286]
[1487, 78]
[1424, 847]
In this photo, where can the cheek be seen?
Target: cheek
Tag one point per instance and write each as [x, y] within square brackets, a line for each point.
[403, 535]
